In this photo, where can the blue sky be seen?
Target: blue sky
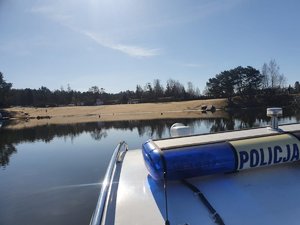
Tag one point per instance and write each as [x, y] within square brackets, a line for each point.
[116, 44]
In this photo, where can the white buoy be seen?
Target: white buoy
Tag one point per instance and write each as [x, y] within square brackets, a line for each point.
[179, 129]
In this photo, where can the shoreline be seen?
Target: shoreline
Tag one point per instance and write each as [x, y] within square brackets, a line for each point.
[22, 117]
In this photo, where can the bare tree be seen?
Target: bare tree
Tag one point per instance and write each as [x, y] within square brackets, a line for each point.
[265, 74]
[190, 89]
[282, 81]
[273, 71]
[69, 89]
[198, 92]
[272, 78]
[94, 89]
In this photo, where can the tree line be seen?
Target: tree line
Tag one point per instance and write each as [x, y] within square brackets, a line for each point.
[44, 97]
[242, 86]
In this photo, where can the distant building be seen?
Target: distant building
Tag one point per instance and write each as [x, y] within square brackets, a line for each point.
[133, 101]
[80, 103]
[99, 102]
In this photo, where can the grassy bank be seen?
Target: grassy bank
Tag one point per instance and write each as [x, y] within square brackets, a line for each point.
[29, 116]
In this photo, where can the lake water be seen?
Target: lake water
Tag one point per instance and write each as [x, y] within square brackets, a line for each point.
[52, 174]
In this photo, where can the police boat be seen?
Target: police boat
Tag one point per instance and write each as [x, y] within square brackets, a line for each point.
[241, 177]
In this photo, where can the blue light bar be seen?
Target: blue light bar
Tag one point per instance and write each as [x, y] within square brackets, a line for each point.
[189, 161]
[222, 157]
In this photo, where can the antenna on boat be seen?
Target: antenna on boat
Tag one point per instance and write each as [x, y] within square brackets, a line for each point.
[167, 222]
[274, 113]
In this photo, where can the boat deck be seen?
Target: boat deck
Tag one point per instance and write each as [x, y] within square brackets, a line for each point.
[268, 195]
[260, 196]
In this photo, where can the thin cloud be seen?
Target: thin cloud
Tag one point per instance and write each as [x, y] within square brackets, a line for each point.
[130, 50]
[136, 51]
[58, 13]
[66, 20]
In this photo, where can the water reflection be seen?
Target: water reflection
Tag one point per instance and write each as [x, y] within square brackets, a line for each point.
[6, 150]
[150, 128]
[52, 174]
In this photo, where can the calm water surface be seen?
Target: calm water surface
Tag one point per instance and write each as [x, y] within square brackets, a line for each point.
[52, 174]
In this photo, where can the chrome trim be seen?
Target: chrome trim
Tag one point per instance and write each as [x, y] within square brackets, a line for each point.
[117, 157]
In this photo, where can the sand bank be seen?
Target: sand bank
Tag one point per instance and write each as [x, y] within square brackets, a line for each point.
[30, 116]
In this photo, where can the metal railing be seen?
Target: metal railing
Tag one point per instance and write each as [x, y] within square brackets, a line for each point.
[117, 157]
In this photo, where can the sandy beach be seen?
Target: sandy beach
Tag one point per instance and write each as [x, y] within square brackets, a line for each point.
[29, 116]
